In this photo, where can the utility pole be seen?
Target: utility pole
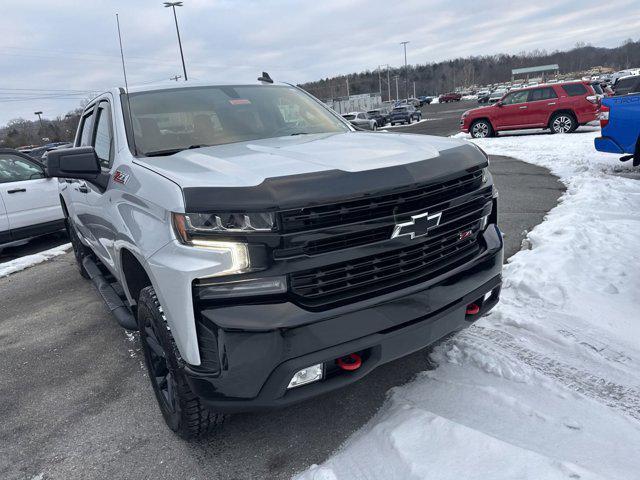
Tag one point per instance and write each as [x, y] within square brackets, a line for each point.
[396, 77]
[347, 77]
[379, 82]
[175, 17]
[414, 90]
[388, 84]
[406, 71]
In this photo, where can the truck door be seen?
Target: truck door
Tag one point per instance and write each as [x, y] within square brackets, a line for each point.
[96, 205]
[30, 199]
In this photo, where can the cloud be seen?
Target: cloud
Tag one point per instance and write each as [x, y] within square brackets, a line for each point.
[72, 45]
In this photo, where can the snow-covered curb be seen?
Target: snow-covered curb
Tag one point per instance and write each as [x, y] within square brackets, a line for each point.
[548, 385]
[13, 266]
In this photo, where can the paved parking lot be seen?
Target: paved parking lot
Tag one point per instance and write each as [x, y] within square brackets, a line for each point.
[76, 402]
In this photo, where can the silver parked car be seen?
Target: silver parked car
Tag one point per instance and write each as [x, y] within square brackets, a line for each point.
[361, 120]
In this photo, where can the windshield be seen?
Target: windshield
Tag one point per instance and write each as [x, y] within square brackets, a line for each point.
[349, 117]
[167, 121]
[400, 109]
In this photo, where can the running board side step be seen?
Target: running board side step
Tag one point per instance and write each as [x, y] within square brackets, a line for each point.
[110, 296]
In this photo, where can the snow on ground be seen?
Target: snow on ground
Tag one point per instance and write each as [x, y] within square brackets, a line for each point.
[12, 266]
[548, 385]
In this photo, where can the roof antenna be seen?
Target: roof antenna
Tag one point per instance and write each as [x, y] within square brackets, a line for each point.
[265, 78]
[126, 88]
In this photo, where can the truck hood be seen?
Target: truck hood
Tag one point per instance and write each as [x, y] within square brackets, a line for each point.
[248, 164]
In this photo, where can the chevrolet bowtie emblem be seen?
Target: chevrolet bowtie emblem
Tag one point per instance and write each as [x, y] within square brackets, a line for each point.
[418, 226]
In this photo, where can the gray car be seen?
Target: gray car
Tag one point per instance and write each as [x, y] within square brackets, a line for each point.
[361, 120]
[265, 250]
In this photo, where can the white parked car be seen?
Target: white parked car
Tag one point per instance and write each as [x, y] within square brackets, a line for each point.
[29, 202]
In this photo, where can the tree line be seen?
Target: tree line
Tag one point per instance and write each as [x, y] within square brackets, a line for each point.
[441, 77]
[20, 132]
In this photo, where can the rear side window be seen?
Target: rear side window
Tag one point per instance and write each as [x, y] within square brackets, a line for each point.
[575, 89]
[16, 169]
[85, 130]
[542, 94]
[627, 86]
[103, 142]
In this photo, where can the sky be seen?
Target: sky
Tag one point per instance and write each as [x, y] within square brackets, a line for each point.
[54, 53]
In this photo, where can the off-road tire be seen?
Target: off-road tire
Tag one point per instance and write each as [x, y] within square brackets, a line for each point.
[182, 410]
[562, 122]
[481, 129]
[79, 249]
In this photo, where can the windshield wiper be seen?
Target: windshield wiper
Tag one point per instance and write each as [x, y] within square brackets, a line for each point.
[171, 151]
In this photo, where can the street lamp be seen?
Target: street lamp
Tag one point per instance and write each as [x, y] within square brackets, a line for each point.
[406, 72]
[39, 114]
[175, 17]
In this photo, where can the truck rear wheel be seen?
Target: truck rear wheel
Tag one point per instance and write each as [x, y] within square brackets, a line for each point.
[182, 410]
[79, 249]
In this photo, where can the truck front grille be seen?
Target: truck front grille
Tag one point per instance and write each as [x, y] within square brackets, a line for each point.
[379, 206]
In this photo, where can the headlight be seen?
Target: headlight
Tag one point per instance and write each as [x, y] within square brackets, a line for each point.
[189, 225]
[242, 288]
[485, 174]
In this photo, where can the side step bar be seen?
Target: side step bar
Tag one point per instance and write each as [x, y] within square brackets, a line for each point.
[110, 296]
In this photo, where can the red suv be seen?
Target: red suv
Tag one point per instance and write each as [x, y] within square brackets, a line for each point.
[449, 97]
[560, 107]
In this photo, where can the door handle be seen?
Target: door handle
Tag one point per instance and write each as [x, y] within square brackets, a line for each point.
[522, 108]
[17, 190]
[551, 103]
[83, 188]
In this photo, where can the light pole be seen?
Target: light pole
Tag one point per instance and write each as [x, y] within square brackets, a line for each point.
[39, 114]
[396, 77]
[406, 72]
[388, 82]
[175, 17]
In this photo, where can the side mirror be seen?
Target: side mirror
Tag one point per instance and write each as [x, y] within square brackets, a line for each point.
[499, 103]
[80, 163]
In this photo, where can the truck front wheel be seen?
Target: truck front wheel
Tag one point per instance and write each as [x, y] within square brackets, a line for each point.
[181, 408]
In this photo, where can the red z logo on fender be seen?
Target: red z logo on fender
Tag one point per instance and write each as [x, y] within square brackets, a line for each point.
[465, 234]
[120, 177]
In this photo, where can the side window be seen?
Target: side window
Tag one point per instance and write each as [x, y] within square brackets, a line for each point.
[575, 89]
[85, 130]
[362, 116]
[542, 94]
[15, 169]
[103, 142]
[516, 97]
[627, 86]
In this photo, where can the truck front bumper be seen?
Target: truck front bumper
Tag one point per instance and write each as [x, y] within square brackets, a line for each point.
[259, 347]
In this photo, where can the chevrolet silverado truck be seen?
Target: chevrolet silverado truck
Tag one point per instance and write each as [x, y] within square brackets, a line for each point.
[620, 122]
[266, 251]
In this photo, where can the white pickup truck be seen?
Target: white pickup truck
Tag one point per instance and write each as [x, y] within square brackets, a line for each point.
[267, 251]
[29, 202]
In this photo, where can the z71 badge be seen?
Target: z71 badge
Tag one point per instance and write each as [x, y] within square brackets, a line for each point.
[120, 177]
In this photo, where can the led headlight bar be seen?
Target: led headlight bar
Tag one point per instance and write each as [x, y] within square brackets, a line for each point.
[190, 224]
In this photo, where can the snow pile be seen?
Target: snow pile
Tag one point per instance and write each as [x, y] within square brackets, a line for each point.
[12, 266]
[548, 385]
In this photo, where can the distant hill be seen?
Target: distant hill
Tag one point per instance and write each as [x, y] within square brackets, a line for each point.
[433, 78]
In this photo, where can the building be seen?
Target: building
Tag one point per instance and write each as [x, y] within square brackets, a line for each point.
[536, 72]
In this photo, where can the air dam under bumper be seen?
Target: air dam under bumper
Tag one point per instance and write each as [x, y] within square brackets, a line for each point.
[256, 365]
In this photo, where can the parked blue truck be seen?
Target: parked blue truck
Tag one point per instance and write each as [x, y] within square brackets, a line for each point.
[620, 123]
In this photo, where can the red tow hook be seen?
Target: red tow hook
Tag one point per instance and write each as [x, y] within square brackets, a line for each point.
[472, 309]
[350, 362]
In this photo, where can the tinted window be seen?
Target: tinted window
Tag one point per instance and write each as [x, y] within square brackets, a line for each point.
[597, 88]
[627, 86]
[15, 169]
[575, 89]
[542, 94]
[362, 116]
[85, 130]
[179, 118]
[516, 97]
[103, 142]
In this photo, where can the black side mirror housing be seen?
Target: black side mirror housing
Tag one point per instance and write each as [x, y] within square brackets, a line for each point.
[79, 163]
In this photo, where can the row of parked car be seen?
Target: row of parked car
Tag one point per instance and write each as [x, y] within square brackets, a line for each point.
[560, 107]
[379, 117]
